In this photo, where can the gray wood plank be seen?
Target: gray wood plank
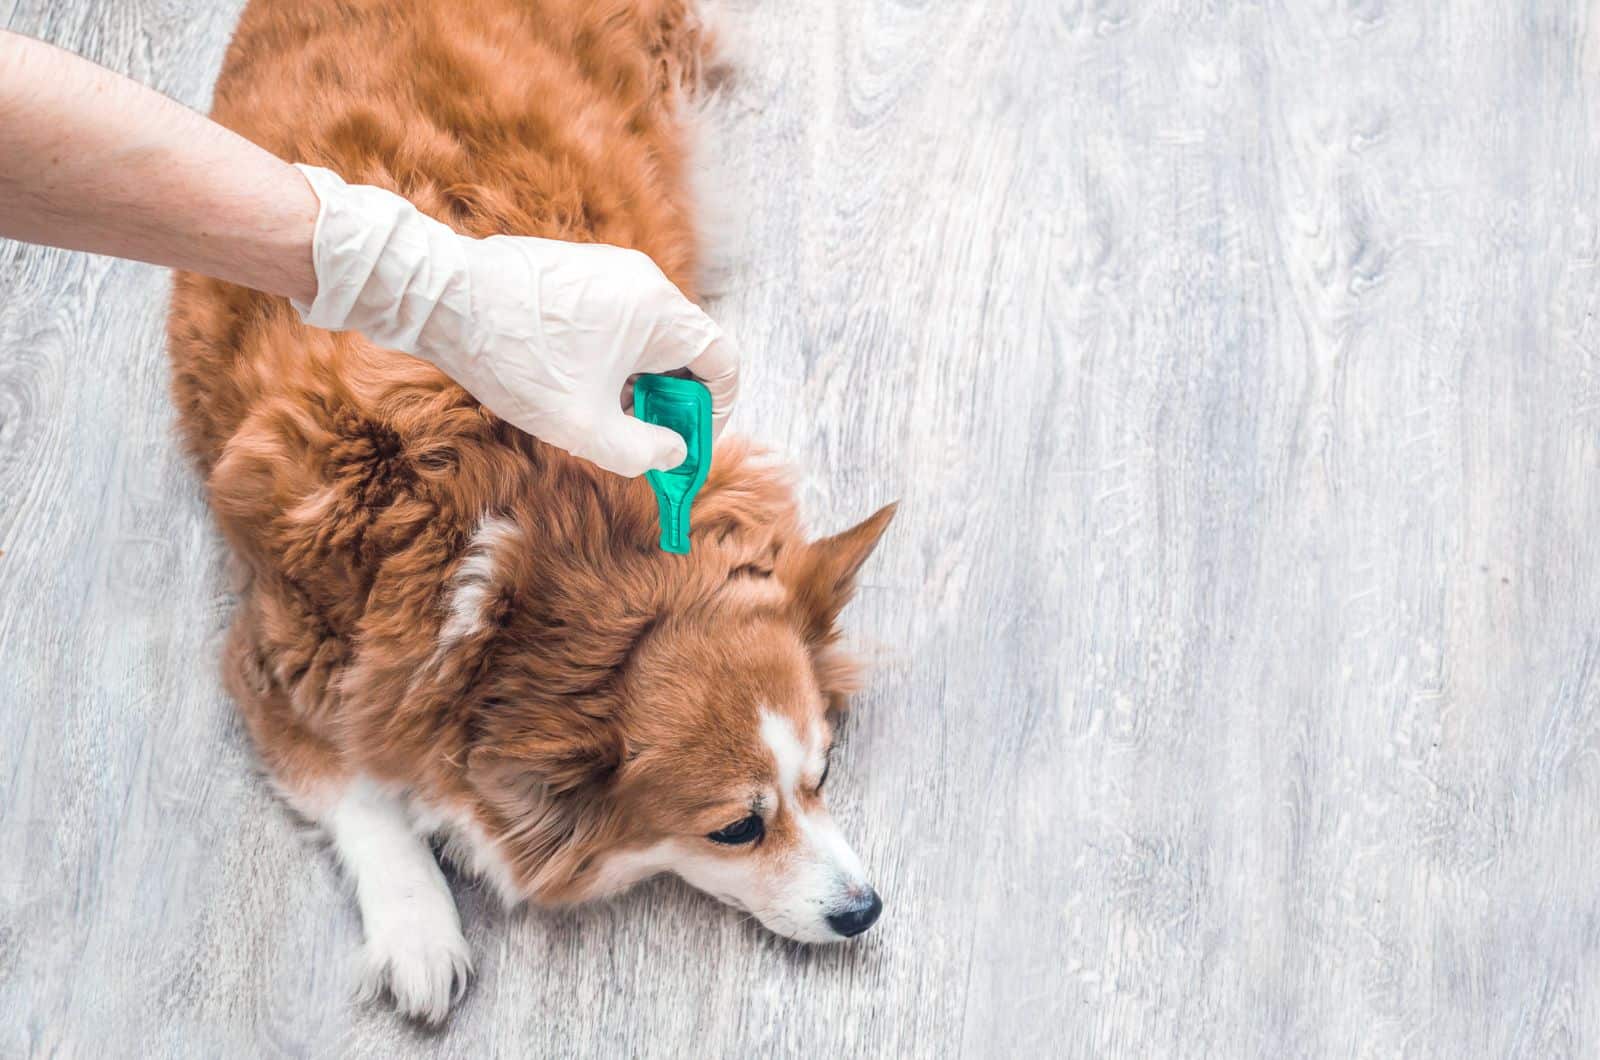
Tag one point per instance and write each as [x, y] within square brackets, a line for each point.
[1238, 368]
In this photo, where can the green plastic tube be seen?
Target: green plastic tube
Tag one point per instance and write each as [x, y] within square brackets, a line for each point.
[682, 405]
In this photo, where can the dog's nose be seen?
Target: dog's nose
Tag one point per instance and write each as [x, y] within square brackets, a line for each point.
[855, 921]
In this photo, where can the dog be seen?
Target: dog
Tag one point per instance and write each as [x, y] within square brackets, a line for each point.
[451, 632]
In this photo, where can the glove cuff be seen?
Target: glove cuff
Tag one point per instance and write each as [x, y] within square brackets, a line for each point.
[383, 267]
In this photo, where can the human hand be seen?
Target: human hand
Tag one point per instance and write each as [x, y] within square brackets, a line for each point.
[545, 333]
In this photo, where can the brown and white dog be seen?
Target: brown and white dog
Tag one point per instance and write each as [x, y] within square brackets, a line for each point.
[453, 631]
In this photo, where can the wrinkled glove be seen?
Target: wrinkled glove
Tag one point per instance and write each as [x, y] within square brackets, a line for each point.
[544, 333]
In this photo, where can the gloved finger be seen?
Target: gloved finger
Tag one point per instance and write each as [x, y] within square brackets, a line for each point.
[630, 447]
[718, 368]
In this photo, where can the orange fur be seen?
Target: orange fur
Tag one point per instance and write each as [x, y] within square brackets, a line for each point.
[609, 690]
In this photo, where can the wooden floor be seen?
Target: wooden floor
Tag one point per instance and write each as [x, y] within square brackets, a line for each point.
[1238, 643]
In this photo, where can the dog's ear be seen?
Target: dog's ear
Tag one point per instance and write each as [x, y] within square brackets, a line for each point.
[822, 578]
[546, 782]
[524, 753]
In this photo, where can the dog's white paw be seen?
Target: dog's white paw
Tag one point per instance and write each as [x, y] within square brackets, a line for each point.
[419, 958]
[414, 947]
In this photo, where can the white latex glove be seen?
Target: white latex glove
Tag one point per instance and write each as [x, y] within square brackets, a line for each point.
[545, 333]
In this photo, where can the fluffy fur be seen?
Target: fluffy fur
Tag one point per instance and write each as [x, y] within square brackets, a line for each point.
[451, 628]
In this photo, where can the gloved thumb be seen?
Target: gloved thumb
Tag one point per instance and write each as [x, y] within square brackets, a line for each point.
[630, 447]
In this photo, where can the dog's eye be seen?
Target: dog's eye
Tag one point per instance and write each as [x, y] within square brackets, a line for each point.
[746, 831]
[827, 767]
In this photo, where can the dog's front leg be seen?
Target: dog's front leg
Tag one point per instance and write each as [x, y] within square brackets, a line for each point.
[414, 946]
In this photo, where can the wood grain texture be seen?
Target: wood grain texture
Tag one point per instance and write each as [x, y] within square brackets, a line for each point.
[1238, 366]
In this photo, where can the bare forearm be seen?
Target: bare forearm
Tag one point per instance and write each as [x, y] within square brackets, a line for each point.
[90, 160]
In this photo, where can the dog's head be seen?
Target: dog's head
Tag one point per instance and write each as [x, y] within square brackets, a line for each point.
[654, 713]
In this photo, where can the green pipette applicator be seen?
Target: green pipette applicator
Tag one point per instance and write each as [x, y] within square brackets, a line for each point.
[682, 405]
